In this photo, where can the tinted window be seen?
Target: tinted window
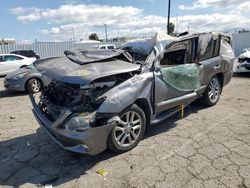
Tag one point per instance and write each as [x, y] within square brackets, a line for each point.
[111, 47]
[1, 59]
[18, 58]
[103, 47]
[211, 50]
[11, 58]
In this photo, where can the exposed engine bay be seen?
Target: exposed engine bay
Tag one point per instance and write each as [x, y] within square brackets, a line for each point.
[78, 98]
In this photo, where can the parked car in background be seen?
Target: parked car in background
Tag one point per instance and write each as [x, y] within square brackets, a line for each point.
[243, 64]
[105, 98]
[26, 53]
[106, 47]
[12, 62]
[25, 79]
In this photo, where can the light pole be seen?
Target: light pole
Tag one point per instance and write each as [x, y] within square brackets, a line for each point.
[177, 22]
[106, 33]
[73, 33]
[169, 4]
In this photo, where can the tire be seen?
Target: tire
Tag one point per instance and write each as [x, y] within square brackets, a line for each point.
[34, 85]
[212, 94]
[126, 135]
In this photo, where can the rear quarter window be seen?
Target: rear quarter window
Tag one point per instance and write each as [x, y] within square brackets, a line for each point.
[111, 47]
[11, 58]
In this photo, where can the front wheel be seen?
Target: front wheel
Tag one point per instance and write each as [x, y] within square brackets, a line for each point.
[212, 94]
[129, 131]
[34, 85]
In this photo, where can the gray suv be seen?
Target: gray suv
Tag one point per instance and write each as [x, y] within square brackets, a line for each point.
[105, 99]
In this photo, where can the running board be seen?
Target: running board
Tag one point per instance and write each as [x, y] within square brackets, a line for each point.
[164, 115]
[182, 98]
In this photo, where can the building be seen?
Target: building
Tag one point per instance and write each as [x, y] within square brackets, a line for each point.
[7, 41]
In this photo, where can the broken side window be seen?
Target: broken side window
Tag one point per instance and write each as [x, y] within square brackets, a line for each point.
[179, 53]
[177, 67]
[182, 77]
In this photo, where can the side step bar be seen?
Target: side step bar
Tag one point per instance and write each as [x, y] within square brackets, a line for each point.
[182, 98]
[164, 115]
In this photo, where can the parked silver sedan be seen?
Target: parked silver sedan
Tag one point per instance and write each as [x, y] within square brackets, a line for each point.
[24, 79]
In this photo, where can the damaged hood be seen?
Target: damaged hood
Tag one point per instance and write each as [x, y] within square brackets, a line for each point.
[66, 70]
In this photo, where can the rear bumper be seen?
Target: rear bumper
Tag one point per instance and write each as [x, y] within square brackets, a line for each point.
[91, 141]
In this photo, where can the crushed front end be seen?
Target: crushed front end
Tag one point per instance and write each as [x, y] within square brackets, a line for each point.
[68, 113]
[68, 106]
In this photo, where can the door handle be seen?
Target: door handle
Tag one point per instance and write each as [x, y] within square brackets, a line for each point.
[216, 67]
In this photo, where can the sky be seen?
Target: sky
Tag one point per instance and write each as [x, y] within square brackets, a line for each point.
[46, 20]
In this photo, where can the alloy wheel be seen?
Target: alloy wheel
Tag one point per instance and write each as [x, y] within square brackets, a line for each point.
[214, 90]
[127, 131]
[36, 85]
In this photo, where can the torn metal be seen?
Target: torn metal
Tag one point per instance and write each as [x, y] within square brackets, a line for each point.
[89, 90]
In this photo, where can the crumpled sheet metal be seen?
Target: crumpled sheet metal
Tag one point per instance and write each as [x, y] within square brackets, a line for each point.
[145, 46]
[82, 57]
[125, 94]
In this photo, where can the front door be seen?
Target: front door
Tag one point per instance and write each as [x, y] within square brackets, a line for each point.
[177, 76]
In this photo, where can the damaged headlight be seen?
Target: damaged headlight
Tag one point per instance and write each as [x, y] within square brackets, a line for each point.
[79, 122]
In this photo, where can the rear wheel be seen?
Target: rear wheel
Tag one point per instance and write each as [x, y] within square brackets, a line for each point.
[212, 94]
[129, 131]
[34, 85]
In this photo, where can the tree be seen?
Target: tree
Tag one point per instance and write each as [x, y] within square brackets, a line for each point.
[243, 31]
[93, 36]
[171, 28]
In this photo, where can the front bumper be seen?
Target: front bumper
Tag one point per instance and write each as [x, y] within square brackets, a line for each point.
[91, 141]
[14, 85]
[243, 67]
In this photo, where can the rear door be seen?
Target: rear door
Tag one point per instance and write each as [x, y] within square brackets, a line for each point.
[177, 75]
[209, 57]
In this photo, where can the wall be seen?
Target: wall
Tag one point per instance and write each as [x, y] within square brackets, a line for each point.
[49, 49]
[241, 41]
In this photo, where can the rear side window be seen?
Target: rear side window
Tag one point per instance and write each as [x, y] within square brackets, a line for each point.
[177, 54]
[111, 47]
[11, 58]
[209, 48]
[103, 47]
